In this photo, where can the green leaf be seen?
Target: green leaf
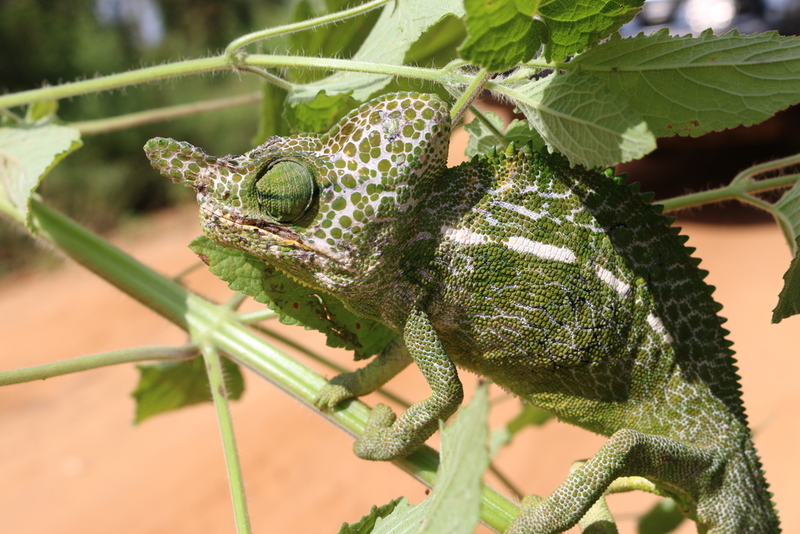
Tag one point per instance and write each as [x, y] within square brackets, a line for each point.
[578, 115]
[271, 121]
[398, 27]
[482, 139]
[168, 386]
[455, 502]
[505, 33]
[295, 303]
[575, 26]
[787, 213]
[664, 517]
[404, 519]
[500, 35]
[366, 524]
[789, 297]
[320, 114]
[41, 111]
[454, 505]
[693, 85]
[26, 155]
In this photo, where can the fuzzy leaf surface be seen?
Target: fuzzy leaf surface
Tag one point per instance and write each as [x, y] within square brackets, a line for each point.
[295, 303]
[500, 35]
[575, 25]
[581, 117]
[505, 33]
[27, 154]
[455, 502]
[453, 507]
[167, 386]
[693, 85]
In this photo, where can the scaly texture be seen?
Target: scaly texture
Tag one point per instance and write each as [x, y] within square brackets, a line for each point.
[561, 284]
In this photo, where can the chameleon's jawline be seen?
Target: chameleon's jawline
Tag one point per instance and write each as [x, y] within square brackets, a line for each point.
[282, 235]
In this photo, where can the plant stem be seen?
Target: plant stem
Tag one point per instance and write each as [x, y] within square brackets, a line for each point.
[130, 120]
[114, 81]
[250, 38]
[257, 316]
[479, 116]
[216, 381]
[469, 95]
[94, 361]
[216, 63]
[221, 329]
[349, 65]
[739, 190]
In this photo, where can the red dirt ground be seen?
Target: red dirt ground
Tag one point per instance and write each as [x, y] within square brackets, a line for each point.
[71, 461]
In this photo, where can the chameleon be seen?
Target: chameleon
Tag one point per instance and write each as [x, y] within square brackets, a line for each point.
[561, 284]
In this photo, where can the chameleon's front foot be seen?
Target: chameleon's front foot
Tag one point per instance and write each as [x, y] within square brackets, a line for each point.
[331, 395]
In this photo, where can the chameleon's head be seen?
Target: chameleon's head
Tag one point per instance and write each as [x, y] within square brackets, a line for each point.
[322, 208]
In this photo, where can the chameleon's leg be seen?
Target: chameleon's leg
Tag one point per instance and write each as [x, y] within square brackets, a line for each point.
[385, 438]
[376, 373]
[626, 453]
[598, 520]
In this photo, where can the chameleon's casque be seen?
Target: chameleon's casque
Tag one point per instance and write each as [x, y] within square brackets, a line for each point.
[561, 284]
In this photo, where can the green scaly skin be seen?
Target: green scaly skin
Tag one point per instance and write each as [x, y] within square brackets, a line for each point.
[560, 284]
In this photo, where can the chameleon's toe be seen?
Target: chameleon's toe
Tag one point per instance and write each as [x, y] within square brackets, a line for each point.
[331, 395]
[379, 441]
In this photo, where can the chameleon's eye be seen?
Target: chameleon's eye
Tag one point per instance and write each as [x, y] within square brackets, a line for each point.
[286, 190]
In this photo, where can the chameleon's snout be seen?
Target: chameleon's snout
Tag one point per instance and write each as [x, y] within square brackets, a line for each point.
[179, 161]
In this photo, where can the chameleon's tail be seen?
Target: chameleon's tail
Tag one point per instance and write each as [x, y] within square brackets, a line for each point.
[745, 487]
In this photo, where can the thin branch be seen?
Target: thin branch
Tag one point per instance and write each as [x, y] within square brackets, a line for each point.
[244, 40]
[216, 380]
[94, 361]
[130, 120]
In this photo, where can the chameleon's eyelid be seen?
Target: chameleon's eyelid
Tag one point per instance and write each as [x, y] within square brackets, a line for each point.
[286, 189]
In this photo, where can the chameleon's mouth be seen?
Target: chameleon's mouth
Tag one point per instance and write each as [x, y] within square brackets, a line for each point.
[271, 234]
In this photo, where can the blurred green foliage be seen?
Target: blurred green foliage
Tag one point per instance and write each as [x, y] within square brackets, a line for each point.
[109, 179]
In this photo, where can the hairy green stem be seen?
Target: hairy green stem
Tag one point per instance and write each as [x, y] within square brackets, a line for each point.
[469, 95]
[130, 120]
[769, 166]
[736, 190]
[221, 330]
[199, 66]
[216, 381]
[250, 38]
[94, 361]
[114, 81]
[349, 65]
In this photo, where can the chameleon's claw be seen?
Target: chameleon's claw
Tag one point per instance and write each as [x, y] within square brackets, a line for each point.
[331, 395]
[379, 441]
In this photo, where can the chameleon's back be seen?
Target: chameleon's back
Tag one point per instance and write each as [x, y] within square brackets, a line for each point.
[568, 288]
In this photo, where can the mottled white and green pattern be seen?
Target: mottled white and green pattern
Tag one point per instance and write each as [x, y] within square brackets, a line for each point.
[560, 284]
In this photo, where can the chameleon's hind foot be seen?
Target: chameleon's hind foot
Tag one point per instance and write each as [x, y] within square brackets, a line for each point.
[380, 440]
